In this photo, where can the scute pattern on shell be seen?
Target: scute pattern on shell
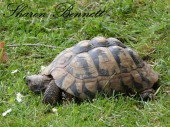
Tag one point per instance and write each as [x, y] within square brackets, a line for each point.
[100, 64]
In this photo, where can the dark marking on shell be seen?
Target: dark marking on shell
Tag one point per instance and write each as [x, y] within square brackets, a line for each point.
[144, 78]
[115, 52]
[70, 69]
[88, 92]
[115, 42]
[137, 85]
[136, 60]
[74, 89]
[80, 48]
[82, 61]
[126, 89]
[82, 67]
[99, 42]
[59, 82]
[95, 54]
[86, 70]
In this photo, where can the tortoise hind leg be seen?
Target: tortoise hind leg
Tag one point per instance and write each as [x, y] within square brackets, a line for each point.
[52, 94]
[148, 94]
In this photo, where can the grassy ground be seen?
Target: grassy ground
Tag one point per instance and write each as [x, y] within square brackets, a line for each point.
[144, 25]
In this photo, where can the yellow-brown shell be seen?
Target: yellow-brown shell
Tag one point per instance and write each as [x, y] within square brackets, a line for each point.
[100, 64]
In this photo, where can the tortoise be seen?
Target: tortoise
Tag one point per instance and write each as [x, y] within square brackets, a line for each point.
[93, 66]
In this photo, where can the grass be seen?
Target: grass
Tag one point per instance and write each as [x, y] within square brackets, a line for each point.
[142, 25]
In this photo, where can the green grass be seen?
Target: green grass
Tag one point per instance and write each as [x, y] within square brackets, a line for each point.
[143, 25]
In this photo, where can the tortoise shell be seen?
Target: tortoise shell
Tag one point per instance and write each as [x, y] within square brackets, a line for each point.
[100, 64]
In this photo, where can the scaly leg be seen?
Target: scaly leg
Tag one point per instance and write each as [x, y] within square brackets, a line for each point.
[52, 94]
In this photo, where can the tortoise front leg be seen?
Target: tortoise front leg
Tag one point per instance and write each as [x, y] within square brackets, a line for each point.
[52, 94]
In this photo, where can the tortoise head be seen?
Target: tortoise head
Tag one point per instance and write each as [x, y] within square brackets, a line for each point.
[37, 83]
